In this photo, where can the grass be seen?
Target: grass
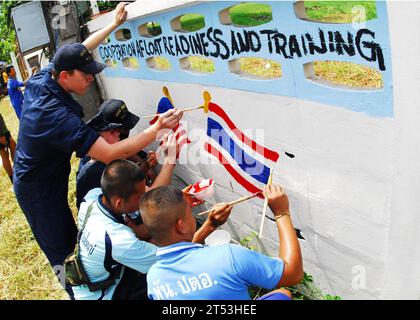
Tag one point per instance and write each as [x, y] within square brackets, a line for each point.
[131, 63]
[24, 270]
[192, 22]
[260, 68]
[111, 63]
[162, 63]
[340, 11]
[348, 74]
[201, 65]
[251, 14]
[154, 28]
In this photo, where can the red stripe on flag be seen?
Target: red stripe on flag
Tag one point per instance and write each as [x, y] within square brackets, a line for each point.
[241, 180]
[265, 152]
[180, 133]
[154, 120]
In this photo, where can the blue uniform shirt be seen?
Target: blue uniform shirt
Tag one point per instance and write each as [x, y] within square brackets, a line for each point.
[190, 271]
[51, 128]
[88, 177]
[16, 96]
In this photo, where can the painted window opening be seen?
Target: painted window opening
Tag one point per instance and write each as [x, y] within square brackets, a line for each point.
[123, 34]
[197, 64]
[343, 74]
[248, 14]
[112, 63]
[256, 68]
[158, 63]
[190, 22]
[336, 11]
[131, 63]
[150, 29]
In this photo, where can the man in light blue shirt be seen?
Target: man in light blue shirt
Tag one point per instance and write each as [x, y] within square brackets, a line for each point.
[110, 246]
[187, 270]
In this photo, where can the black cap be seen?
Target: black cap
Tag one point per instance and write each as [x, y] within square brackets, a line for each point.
[76, 56]
[113, 114]
[9, 67]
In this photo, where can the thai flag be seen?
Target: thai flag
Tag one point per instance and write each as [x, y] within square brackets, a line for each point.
[181, 134]
[246, 161]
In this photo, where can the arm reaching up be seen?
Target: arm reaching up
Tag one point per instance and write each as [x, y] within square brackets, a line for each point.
[93, 41]
[289, 250]
[105, 152]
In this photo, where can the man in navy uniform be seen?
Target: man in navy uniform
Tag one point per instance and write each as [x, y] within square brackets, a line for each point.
[51, 129]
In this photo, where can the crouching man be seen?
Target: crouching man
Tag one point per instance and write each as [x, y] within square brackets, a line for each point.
[187, 270]
[112, 257]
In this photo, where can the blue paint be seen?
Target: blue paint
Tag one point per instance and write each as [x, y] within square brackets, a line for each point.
[248, 164]
[293, 83]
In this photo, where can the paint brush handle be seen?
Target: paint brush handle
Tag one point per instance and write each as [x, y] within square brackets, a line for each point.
[183, 110]
[264, 212]
[233, 202]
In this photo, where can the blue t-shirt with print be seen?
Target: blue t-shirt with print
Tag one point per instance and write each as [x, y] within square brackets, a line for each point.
[190, 271]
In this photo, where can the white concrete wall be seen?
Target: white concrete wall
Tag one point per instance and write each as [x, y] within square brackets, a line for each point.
[402, 262]
[353, 183]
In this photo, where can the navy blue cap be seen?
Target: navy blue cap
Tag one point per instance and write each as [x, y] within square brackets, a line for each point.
[76, 56]
[113, 114]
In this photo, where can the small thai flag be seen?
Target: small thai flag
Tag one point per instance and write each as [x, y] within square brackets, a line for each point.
[246, 161]
[181, 134]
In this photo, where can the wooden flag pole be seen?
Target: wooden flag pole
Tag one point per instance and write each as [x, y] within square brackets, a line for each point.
[206, 98]
[264, 212]
[184, 110]
[233, 202]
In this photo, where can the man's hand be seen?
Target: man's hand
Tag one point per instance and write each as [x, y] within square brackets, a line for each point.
[169, 120]
[152, 159]
[215, 219]
[140, 230]
[219, 215]
[193, 201]
[120, 13]
[277, 199]
[170, 148]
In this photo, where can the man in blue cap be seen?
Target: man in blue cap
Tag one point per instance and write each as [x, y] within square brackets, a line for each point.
[51, 129]
[112, 121]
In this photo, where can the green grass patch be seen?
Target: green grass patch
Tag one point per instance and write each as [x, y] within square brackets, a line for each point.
[162, 63]
[201, 65]
[154, 28]
[25, 273]
[192, 22]
[111, 63]
[339, 11]
[260, 68]
[348, 74]
[251, 14]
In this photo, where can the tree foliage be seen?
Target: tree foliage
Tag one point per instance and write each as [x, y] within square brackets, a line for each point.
[7, 32]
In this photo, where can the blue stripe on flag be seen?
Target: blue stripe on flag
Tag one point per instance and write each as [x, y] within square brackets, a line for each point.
[164, 105]
[250, 165]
